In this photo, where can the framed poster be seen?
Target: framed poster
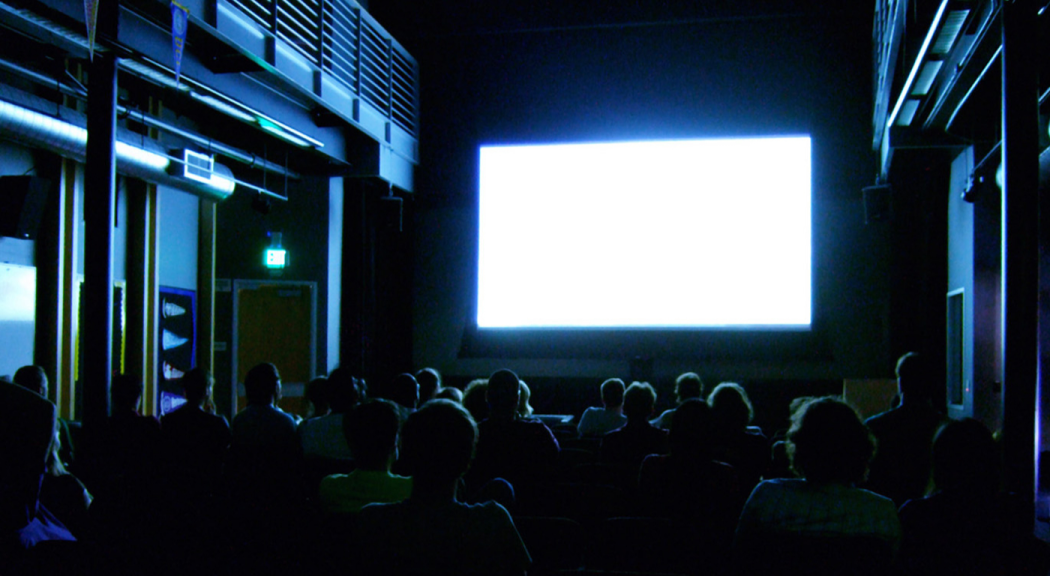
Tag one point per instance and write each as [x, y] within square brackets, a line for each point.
[178, 344]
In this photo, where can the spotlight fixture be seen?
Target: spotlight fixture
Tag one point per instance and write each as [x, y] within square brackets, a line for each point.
[973, 187]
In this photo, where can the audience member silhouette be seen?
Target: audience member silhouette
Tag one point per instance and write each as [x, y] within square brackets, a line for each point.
[371, 431]
[132, 442]
[524, 393]
[450, 393]
[63, 494]
[629, 445]
[687, 385]
[689, 486]
[475, 399]
[780, 463]
[600, 420]
[802, 525]
[316, 398]
[323, 437]
[265, 457]
[403, 390]
[901, 468]
[34, 378]
[432, 532]
[744, 447]
[519, 450]
[967, 526]
[27, 424]
[195, 440]
[429, 381]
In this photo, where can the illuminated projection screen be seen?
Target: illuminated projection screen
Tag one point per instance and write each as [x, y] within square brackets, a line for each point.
[707, 234]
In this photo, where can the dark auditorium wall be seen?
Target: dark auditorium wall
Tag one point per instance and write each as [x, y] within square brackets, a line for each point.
[749, 76]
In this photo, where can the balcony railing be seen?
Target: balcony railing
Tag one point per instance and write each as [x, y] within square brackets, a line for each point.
[342, 40]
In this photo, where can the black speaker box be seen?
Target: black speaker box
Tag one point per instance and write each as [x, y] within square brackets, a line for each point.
[878, 203]
[22, 200]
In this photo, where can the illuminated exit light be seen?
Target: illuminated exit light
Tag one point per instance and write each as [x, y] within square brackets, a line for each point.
[276, 255]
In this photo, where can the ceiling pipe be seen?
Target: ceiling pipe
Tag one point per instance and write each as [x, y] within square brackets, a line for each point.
[66, 136]
[207, 143]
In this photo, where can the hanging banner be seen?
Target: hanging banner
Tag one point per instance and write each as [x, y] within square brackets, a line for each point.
[180, 18]
[90, 17]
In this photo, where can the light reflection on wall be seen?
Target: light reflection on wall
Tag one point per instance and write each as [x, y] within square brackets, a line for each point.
[17, 316]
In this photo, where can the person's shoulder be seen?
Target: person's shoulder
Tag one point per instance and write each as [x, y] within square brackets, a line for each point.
[654, 463]
[491, 509]
[658, 433]
[872, 500]
[217, 421]
[615, 435]
[882, 419]
[781, 485]
[379, 510]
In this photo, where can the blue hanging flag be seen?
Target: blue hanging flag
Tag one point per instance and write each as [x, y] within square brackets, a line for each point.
[180, 18]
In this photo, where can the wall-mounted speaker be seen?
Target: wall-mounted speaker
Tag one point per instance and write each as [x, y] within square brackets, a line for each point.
[22, 201]
[878, 203]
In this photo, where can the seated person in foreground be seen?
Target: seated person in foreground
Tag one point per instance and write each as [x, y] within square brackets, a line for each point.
[450, 393]
[687, 385]
[403, 391]
[600, 420]
[901, 468]
[475, 399]
[265, 459]
[519, 450]
[195, 439]
[34, 379]
[322, 437]
[738, 444]
[431, 532]
[628, 446]
[371, 431]
[27, 424]
[968, 526]
[429, 380]
[130, 449]
[786, 521]
[688, 484]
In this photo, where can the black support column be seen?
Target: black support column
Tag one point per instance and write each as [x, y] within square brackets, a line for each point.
[1020, 221]
[96, 357]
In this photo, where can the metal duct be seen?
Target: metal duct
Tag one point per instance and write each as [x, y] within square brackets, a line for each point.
[230, 152]
[66, 136]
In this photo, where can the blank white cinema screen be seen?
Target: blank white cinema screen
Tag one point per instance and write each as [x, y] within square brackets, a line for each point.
[708, 234]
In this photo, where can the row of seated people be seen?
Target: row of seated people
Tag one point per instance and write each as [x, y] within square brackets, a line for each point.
[452, 489]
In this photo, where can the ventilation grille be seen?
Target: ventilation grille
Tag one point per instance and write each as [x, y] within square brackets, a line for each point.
[341, 39]
[198, 166]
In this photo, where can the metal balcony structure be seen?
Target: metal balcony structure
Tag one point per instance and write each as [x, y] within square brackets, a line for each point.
[322, 75]
[930, 56]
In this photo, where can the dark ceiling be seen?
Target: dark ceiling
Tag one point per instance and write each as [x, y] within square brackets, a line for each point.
[413, 21]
